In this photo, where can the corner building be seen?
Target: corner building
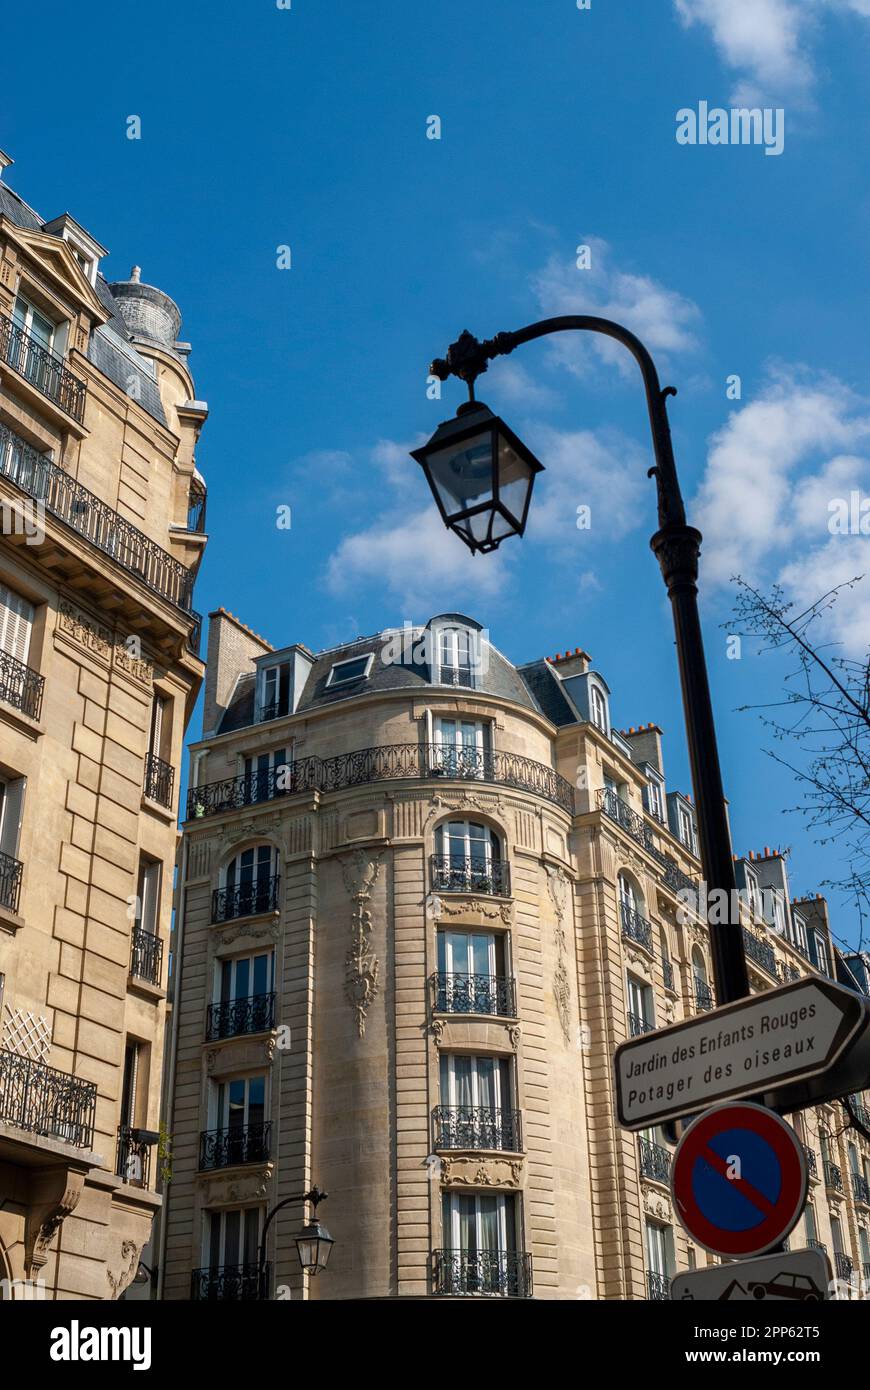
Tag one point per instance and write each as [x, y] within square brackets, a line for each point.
[101, 534]
[424, 895]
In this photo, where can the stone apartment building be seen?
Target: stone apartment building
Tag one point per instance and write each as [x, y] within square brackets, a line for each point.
[424, 894]
[102, 514]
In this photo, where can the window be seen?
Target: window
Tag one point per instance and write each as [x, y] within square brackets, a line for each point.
[598, 708]
[250, 883]
[458, 657]
[479, 1082]
[462, 747]
[480, 1240]
[356, 668]
[267, 775]
[148, 894]
[659, 1259]
[472, 973]
[810, 1224]
[232, 1241]
[654, 803]
[864, 1244]
[240, 1116]
[837, 1236]
[641, 1007]
[686, 827]
[11, 810]
[273, 691]
[667, 963]
[467, 858]
[821, 953]
[799, 933]
[703, 992]
[34, 323]
[245, 977]
[16, 624]
[159, 735]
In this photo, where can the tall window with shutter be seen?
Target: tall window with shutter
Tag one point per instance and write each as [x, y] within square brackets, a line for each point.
[16, 624]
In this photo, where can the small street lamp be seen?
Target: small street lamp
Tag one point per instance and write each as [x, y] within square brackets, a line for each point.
[313, 1244]
[481, 476]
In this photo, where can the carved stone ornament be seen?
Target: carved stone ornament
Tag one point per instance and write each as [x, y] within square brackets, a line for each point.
[558, 884]
[250, 828]
[656, 1204]
[515, 1034]
[85, 630]
[437, 1028]
[130, 1252]
[464, 801]
[500, 912]
[225, 936]
[476, 1172]
[640, 959]
[136, 666]
[252, 1185]
[54, 1194]
[360, 872]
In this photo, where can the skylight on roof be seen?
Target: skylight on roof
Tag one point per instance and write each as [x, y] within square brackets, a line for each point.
[354, 669]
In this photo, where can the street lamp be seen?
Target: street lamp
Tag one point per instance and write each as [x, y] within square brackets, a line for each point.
[466, 462]
[313, 1244]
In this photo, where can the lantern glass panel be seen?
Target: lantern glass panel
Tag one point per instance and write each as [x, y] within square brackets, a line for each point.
[514, 481]
[462, 474]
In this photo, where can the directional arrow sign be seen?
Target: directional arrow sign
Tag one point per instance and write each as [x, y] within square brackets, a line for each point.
[801, 1044]
[801, 1276]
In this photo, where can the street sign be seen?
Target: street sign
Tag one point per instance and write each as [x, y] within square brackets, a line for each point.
[800, 1276]
[739, 1180]
[799, 1045]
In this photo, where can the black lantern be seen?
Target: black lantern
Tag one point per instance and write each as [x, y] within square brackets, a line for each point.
[314, 1244]
[481, 476]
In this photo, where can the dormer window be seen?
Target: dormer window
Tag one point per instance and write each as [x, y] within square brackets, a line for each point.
[653, 798]
[686, 824]
[86, 250]
[457, 657]
[597, 708]
[273, 691]
[355, 668]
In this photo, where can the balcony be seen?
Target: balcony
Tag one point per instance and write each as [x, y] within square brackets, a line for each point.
[862, 1114]
[704, 1000]
[237, 1017]
[474, 994]
[814, 1244]
[20, 686]
[655, 1161]
[619, 811]
[812, 1166]
[636, 928]
[476, 874]
[759, 951]
[668, 975]
[787, 972]
[225, 1148]
[11, 871]
[833, 1176]
[476, 1127]
[637, 1026]
[159, 780]
[45, 1101]
[843, 1265]
[396, 762]
[498, 1273]
[133, 1161]
[245, 899]
[86, 514]
[861, 1188]
[239, 1283]
[42, 368]
[658, 1287]
[146, 956]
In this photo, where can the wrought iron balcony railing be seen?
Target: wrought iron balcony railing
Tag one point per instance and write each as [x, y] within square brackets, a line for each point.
[501, 1273]
[637, 1026]
[655, 1161]
[619, 811]
[759, 951]
[810, 1155]
[456, 675]
[476, 874]
[245, 899]
[42, 368]
[865, 1270]
[787, 972]
[224, 1148]
[636, 928]
[196, 504]
[860, 1109]
[11, 871]
[46, 1101]
[237, 1017]
[146, 956]
[394, 762]
[476, 1127]
[239, 1283]
[843, 1265]
[89, 516]
[814, 1244]
[20, 686]
[474, 994]
[668, 974]
[159, 780]
[658, 1287]
[704, 1000]
[833, 1175]
[861, 1188]
[133, 1162]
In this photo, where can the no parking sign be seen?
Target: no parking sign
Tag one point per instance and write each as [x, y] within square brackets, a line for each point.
[739, 1180]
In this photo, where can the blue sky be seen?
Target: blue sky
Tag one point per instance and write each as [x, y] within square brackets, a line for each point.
[306, 127]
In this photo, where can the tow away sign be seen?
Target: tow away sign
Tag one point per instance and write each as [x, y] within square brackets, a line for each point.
[795, 1046]
[801, 1276]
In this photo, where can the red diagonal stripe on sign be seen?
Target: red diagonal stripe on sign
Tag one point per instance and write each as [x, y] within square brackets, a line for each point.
[747, 1190]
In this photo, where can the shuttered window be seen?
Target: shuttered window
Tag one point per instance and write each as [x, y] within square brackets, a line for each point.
[16, 623]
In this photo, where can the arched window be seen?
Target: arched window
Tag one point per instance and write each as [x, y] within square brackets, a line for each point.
[597, 708]
[627, 893]
[250, 884]
[468, 858]
[667, 963]
[703, 992]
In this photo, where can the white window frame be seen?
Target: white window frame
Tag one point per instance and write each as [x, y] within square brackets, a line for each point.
[234, 997]
[219, 1112]
[655, 799]
[448, 636]
[29, 310]
[598, 706]
[17, 616]
[222, 1214]
[686, 826]
[453, 1237]
[640, 993]
[502, 1102]
[332, 680]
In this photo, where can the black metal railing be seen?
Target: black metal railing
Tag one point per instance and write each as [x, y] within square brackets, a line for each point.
[814, 1244]
[475, 874]
[668, 974]
[236, 1017]
[159, 780]
[787, 972]
[655, 1161]
[11, 871]
[245, 899]
[146, 956]
[810, 1156]
[89, 516]
[503, 1273]
[240, 1283]
[389, 763]
[196, 502]
[42, 368]
[456, 675]
[833, 1175]
[133, 1162]
[474, 994]
[704, 1000]
[759, 951]
[476, 1127]
[861, 1188]
[843, 1265]
[658, 1287]
[20, 686]
[636, 928]
[619, 811]
[224, 1148]
[637, 1026]
[45, 1101]
[860, 1109]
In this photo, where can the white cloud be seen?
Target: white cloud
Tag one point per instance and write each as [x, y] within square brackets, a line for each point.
[604, 471]
[763, 505]
[763, 40]
[663, 319]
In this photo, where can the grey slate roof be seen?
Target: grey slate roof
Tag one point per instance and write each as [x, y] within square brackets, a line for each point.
[546, 688]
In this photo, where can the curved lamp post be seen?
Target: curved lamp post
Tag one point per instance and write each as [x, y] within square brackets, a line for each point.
[482, 475]
[313, 1244]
